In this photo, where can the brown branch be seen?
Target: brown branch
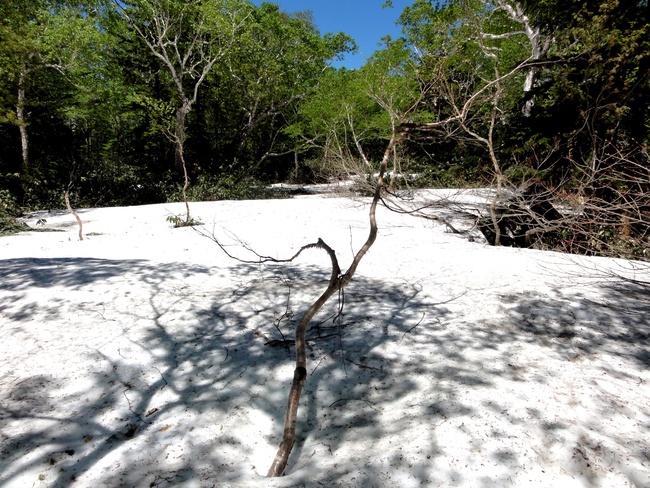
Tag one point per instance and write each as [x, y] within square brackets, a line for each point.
[260, 259]
[337, 281]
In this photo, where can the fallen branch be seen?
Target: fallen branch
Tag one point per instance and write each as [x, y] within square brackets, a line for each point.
[408, 331]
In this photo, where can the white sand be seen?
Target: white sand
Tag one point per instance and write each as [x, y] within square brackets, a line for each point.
[137, 356]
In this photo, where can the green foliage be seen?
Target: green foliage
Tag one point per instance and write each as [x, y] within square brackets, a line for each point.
[8, 204]
[596, 84]
[101, 106]
[9, 210]
[453, 176]
[180, 221]
[274, 69]
[229, 187]
[119, 184]
[355, 109]
[314, 170]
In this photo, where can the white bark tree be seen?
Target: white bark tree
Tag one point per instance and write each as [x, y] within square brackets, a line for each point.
[539, 47]
[188, 38]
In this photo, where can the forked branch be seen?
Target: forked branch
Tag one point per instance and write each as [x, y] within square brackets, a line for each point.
[337, 282]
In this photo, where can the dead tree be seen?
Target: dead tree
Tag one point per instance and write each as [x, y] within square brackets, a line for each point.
[460, 123]
[188, 39]
[602, 208]
[607, 211]
[337, 282]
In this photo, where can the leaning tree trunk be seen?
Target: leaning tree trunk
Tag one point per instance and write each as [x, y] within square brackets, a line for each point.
[337, 282]
[66, 197]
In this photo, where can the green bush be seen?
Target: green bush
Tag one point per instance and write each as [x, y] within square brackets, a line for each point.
[454, 176]
[122, 184]
[229, 187]
[9, 210]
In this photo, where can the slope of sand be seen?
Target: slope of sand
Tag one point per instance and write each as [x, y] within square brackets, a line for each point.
[138, 356]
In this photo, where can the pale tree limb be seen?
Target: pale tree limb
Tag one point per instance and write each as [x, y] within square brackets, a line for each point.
[66, 196]
[539, 48]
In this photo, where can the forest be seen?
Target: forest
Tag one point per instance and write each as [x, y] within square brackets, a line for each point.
[112, 103]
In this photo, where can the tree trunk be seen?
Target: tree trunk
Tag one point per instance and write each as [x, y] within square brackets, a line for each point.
[295, 166]
[497, 168]
[179, 135]
[66, 197]
[299, 377]
[179, 148]
[538, 50]
[20, 117]
[186, 184]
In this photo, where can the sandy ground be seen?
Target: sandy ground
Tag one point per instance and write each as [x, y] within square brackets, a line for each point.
[139, 356]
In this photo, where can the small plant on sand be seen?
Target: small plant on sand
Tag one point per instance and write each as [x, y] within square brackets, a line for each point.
[179, 221]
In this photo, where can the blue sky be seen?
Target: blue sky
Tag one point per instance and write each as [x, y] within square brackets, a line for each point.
[365, 20]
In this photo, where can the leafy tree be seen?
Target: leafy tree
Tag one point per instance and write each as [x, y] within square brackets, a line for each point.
[116, 102]
[239, 126]
[597, 84]
[37, 36]
[583, 107]
[338, 106]
[351, 113]
[277, 63]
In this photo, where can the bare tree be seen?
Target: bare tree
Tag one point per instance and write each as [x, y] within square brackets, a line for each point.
[338, 280]
[605, 210]
[462, 121]
[188, 38]
[66, 197]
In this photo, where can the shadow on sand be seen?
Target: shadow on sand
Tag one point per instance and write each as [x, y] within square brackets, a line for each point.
[182, 391]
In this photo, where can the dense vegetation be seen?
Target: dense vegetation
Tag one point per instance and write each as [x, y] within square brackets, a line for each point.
[122, 103]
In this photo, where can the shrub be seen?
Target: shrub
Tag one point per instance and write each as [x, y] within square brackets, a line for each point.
[228, 187]
[9, 210]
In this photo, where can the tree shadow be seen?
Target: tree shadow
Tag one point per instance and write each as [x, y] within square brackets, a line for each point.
[74, 273]
[187, 380]
[204, 359]
[577, 325]
[592, 352]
